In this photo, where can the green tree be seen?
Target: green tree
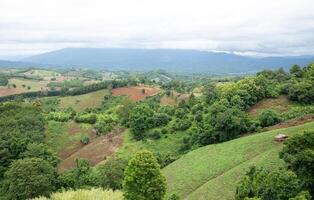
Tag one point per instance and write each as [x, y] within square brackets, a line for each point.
[296, 71]
[143, 179]
[139, 120]
[112, 173]
[38, 150]
[30, 177]
[279, 184]
[298, 153]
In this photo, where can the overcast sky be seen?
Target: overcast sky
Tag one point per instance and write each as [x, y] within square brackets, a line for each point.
[249, 27]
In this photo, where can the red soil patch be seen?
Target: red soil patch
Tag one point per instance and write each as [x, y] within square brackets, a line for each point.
[280, 104]
[135, 93]
[166, 101]
[96, 151]
[10, 91]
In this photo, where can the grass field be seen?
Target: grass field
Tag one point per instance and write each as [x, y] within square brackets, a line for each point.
[163, 145]
[81, 102]
[81, 194]
[212, 172]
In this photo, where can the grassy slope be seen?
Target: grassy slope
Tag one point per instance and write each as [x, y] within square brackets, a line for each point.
[212, 172]
[163, 145]
[81, 102]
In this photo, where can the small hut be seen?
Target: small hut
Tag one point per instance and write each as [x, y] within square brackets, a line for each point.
[280, 137]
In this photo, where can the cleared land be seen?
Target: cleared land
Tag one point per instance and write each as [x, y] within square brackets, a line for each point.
[135, 93]
[279, 104]
[64, 138]
[212, 172]
[81, 102]
[166, 101]
[96, 151]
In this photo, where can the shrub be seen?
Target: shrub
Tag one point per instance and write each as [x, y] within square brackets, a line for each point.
[268, 117]
[89, 118]
[85, 139]
[155, 134]
[112, 173]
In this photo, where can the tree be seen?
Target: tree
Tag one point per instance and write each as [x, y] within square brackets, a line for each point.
[296, 71]
[112, 173]
[298, 153]
[38, 150]
[139, 120]
[279, 184]
[30, 177]
[143, 179]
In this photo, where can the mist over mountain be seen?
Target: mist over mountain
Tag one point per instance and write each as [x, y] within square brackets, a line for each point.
[167, 59]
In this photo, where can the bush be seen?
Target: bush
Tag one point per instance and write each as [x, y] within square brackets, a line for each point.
[85, 139]
[59, 116]
[155, 134]
[89, 118]
[268, 118]
[112, 173]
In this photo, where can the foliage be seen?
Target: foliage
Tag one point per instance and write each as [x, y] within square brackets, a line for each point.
[268, 117]
[89, 118]
[143, 179]
[275, 185]
[81, 176]
[85, 139]
[29, 178]
[39, 150]
[112, 173]
[16, 131]
[3, 80]
[298, 153]
[139, 120]
[59, 116]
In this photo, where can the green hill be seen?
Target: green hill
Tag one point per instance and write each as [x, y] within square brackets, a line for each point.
[212, 172]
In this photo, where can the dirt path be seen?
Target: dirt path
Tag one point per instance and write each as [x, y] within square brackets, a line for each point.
[96, 151]
[292, 122]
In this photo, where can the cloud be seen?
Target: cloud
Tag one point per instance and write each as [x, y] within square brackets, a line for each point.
[250, 27]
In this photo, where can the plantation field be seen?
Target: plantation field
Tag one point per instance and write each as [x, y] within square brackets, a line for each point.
[81, 102]
[212, 172]
[135, 93]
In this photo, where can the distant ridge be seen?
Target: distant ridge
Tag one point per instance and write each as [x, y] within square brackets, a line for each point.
[7, 63]
[167, 59]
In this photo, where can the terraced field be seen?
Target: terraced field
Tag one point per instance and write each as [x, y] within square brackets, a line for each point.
[212, 172]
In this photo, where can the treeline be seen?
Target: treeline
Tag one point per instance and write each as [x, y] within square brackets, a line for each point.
[68, 91]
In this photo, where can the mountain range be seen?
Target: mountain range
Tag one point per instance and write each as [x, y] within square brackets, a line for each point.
[152, 59]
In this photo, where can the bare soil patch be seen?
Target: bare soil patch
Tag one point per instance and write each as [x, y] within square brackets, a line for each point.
[280, 104]
[165, 100]
[135, 93]
[96, 151]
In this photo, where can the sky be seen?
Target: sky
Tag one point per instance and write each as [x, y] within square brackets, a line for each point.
[245, 27]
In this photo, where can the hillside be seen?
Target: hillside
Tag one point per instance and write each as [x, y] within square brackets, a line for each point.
[168, 59]
[212, 172]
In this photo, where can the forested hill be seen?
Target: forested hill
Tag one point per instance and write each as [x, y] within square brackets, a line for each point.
[168, 59]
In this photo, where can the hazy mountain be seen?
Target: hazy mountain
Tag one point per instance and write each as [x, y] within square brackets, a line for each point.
[168, 59]
[7, 63]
